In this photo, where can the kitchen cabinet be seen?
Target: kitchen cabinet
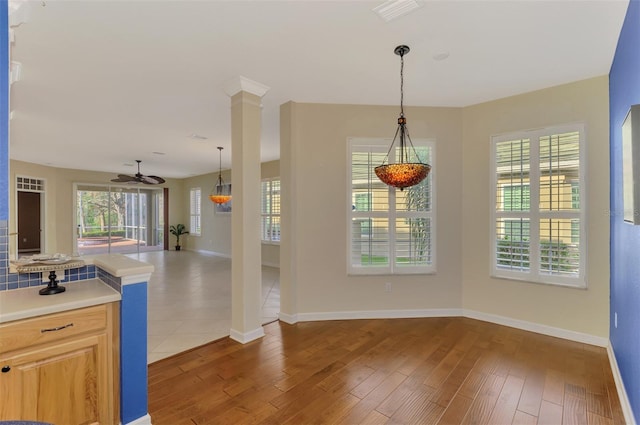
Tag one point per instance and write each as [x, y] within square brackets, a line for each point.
[61, 368]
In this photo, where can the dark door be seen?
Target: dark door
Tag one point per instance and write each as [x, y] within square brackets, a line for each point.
[28, 222]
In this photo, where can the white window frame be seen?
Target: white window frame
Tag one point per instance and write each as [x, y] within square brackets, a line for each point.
[382, 145]
[195, 211]
[533, 274]
[270, 214]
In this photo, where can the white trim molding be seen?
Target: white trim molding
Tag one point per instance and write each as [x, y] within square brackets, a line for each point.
[143, 420]
[215, 253]
[622, 392]
[290, 319]
[240, 83]
[223, 255]
[377, 314]
[245, 337]
[135, 278]
[449, 312]
[538, 328]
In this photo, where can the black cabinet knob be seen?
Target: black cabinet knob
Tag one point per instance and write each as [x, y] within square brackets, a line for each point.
[6, 369]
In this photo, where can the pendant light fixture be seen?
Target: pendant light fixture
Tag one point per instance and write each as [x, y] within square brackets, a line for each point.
[221, 193]
[403, 173]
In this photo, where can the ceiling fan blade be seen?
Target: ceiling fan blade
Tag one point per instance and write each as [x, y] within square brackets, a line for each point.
[152, 180]
[123, 178]
[138, 178]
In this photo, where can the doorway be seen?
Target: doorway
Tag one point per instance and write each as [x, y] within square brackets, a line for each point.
[30, 215]
[117, 219]
[29, 222]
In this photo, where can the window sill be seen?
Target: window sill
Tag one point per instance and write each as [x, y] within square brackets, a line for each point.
[577, 285]
[276, 243]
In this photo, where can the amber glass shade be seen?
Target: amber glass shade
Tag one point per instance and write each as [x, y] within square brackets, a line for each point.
[221, 193]
[220, 199]
[403, 175]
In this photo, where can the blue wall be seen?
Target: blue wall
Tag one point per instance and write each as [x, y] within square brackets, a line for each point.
[133, 352]
[624, 86]
[4, 111]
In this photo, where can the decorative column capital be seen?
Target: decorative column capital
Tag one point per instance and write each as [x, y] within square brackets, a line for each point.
[240, 83]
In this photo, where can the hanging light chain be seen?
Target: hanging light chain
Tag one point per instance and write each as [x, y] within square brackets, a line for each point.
[402, 84]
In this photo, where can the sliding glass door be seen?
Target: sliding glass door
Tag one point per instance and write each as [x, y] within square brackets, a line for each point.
[117, 219]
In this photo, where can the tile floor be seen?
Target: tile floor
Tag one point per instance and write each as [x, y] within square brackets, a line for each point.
[190, 300]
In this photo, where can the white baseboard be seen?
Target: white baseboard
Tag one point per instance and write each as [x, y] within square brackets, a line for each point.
[223, 255]
[377, 314]
[538, 328]
[144, 420]
[622, 392]
[244, 337]
[205, 251]
[448, 312]
[291, 319]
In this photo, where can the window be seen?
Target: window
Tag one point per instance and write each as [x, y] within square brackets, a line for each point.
[270, 210]
[118, 218]
[389, 231]
[538, 220]
[29, 184]
[195, 211]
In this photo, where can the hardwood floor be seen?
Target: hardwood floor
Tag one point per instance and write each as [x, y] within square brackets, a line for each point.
[400, 371]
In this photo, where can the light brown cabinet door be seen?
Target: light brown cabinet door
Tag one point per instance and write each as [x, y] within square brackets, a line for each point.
[65, 383]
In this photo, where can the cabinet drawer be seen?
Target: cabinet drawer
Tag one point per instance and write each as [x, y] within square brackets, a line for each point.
[53, 327]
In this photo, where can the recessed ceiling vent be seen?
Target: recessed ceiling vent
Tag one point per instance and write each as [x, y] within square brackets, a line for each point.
[393, 9]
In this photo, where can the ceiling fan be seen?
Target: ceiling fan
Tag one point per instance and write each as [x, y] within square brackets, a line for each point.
[138, 178]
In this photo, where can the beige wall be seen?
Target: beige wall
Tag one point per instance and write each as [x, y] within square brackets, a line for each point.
[313, 171]
[579, 310]
[314, 165]
[216, 227]
[314, 177]
[59, 209]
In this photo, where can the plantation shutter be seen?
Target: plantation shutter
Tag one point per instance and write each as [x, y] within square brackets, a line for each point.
[270, 210]
[537, 191]
[195, 204]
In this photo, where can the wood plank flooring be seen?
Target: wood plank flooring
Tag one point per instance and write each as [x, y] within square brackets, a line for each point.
[398, 371]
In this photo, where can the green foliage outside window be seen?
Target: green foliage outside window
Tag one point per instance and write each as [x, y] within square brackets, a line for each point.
[418, 199]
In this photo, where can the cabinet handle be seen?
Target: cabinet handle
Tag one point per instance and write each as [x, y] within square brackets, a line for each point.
[68, 325]
[6, 369]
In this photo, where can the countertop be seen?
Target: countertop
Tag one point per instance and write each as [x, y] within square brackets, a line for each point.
[24, 303]
[118, 265]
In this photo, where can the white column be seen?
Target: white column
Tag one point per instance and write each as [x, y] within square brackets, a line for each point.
[246, 268]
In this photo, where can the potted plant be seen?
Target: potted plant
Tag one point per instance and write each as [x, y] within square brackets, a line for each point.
[178, 230]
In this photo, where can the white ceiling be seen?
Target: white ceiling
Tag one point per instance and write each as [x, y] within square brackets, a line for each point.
[104, 83]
